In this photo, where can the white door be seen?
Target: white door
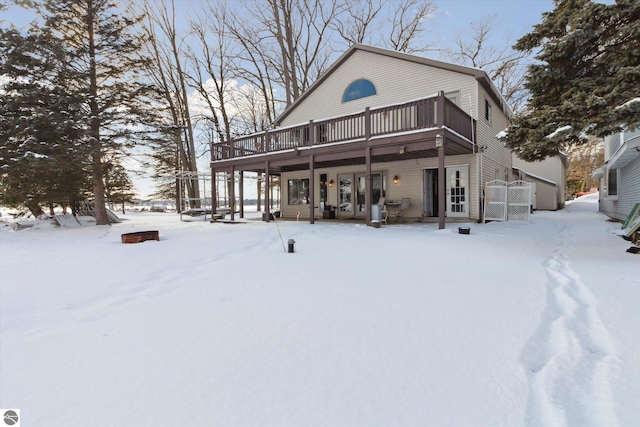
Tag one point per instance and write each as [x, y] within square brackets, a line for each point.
[458, 192]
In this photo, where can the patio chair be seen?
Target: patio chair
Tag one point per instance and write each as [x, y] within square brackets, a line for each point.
[398, 214]
[384, 214]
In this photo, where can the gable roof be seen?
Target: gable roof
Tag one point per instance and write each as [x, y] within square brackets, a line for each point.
[480, 75]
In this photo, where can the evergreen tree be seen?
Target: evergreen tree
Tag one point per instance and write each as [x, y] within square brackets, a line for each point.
[105, 68]
[588, 71]
[118, 184]
[164, 161]
[41, 157]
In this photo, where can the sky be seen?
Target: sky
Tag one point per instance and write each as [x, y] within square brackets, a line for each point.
[517, 324]
[514, 18]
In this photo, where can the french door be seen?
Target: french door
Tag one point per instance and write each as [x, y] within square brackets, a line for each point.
[351, 193]
[458, 192]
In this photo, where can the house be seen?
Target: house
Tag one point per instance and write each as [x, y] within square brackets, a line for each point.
[620, 174]
[547, 178]
[380, 123]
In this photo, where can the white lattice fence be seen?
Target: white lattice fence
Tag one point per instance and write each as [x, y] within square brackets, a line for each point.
[507, 201]
[519, 201]
[495, 201]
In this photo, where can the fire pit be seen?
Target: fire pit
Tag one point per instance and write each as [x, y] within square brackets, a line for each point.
[140, 236]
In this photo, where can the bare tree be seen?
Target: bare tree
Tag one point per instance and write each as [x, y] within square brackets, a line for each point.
[359, 21]
[167, 70]
[289, 42]
[407, 26]
[583, 161]
[254, 64]
[210, 58]
[504, 66]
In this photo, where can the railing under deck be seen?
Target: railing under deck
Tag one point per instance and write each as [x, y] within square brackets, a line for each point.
[376, 122]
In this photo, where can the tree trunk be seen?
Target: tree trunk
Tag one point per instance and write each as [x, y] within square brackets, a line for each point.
[34, 208]
[96, 172]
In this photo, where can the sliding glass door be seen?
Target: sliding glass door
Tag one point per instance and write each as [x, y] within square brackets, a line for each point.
[345, 189]
[352, 189]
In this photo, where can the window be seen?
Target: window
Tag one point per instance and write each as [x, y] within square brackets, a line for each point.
[453, 97]
[487, 110]
[298, 190]
[612, 182]
[359, 89]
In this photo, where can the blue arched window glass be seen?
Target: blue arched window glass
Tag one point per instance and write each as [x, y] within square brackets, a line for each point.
[358, 89]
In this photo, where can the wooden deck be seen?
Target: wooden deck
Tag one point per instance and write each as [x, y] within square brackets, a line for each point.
[390, 126]
[423, 128]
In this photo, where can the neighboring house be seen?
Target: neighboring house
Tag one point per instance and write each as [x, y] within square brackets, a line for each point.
[380, 123]
[547, 178]
[620, 174]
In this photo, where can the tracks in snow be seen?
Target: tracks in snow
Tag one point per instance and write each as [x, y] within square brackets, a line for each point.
[569, 357]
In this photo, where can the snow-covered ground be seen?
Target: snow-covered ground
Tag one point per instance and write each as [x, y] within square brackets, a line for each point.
[516, 324]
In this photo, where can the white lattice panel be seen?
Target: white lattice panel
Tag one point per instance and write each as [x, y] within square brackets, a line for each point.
[507, 201]
[495, 201]
[519, 201]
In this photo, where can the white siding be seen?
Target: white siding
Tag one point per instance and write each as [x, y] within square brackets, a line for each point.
[399, 81]
[396, 81]
[628, 192]
[552, 169]
[629, 186]
[495, 161]
[546, 195]
[611, 144]
[410, 184]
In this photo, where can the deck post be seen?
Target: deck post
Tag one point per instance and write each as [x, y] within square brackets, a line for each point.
[440, 110]
[265, 144]
[214, 192]
[367, 123]
[368, 193]
[241, 187]
[441, 181]
[311, 134]
[267, 201]
[232, 192]
[312, 174]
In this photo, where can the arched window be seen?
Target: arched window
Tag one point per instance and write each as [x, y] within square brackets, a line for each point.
[358, 89]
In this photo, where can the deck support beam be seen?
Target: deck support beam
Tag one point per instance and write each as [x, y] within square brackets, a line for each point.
[241, 191]
[368, 194]
[312, 186]
[441, 186]
[214, 191]
[267, 185]
[232, 192]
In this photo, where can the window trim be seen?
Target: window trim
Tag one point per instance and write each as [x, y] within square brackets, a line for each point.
[303, 195]
[613, 196]
[487, 110]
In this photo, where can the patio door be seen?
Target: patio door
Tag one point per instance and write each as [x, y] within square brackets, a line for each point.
[377, 191]
[430, 193]
[458, 192]
[345, 192]
[351, 193]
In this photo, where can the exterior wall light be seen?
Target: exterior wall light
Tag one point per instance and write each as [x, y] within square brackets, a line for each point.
[331, 183]
[396, 179]
[438, 141]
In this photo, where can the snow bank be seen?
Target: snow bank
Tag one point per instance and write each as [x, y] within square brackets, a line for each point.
[215, 324]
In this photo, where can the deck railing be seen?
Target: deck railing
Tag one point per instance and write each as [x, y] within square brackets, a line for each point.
[376, 122]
